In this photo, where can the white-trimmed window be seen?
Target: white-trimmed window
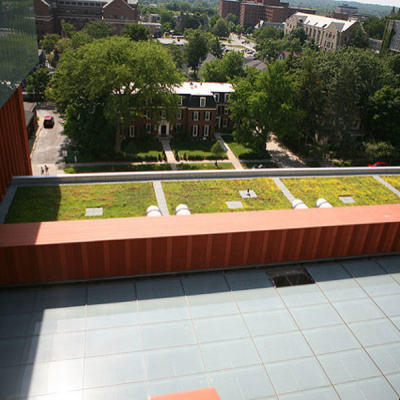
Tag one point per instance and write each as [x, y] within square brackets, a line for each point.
[148, 116]
[226, 111]
[225, 122]
[163, 114]
[216, 97]
[195, 130]
[202, 101]
[206, 130]
[226, 97]
[148, 128]
[195, 115]
[180, 102]
[132, 131]
[179, 114]
[178, 126]
[207, 116]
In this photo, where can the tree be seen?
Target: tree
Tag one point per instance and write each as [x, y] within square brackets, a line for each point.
[67, 29]
[298, 33]
[215, 47]
[136, 32]
[232, 18]
[103, 86]
[228, 68]
[99, 29]
[196, 47]
[37, 82]
[360, 38]
[375, 27]
[49, 42]
[263, 102]
[217, 149]
[221, 28]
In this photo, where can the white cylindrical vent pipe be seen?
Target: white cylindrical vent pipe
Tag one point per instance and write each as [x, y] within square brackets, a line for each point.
[322, 203]
[298, 204]
[153, 211]
[182, 209]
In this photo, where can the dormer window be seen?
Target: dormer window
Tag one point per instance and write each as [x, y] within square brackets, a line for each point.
[216, 97]
[180, 100]
[226, 97]
[202, 101]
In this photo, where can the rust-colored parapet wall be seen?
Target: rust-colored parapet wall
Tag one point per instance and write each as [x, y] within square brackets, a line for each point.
[53, 251]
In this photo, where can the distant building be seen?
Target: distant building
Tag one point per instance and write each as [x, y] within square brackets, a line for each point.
[346, 9]
[203, 109]
[328, 33]
[250, 13]
[50, 13]
[393, 32]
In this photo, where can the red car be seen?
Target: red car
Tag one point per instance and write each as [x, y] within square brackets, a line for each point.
[379, 164]
[48, 121]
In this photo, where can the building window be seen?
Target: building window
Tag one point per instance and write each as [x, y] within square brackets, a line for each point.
[163, 114]
[225, 122]
[195, 115]
[148, 116]
[226, 97]
[180, 100]
[195, 130]
[202, 101]
[207, 116]
[132, 131]
[216, 97]
[148, 128]
[178, 126]
[179, 114]
[226, 111]
[206, 130]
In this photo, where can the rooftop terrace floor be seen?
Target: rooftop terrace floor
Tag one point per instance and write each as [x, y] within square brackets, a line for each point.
[336, 339]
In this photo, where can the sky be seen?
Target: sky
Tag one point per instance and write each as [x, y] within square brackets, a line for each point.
[395, 3]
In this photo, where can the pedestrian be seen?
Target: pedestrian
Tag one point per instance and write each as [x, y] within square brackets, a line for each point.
[41, 171]
[46, 168]
[216, 164]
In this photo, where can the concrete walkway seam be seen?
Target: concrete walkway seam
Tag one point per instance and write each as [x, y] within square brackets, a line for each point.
[231, 156]
[388, 185]
[160, 196]
[284, 190]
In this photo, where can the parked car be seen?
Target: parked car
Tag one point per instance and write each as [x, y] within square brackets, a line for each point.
[48, 121]
[379, 164]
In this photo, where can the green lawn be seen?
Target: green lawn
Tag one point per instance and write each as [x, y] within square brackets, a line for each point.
[393, 180]
[364, 190]
[60, 203]
[245, 153]
[117, 168]
[136, 150]
[200, 166]
[210, 196]
[200, 150]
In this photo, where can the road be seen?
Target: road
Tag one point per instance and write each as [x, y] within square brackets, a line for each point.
[49, 144]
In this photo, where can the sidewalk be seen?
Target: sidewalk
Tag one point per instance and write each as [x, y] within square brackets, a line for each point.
[231, 157]
[169, 153]
[282, 156]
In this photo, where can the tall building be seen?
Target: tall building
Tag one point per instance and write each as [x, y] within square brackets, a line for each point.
[18, 56]
[250, 13]
[328, 33]
[50, 13]
[392, 32]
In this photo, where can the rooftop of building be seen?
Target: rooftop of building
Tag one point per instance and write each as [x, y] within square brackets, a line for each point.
[319, 21]
[337, 338]
[204, 88]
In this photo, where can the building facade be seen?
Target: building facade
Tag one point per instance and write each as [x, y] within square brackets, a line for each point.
[203, 109]
[328, 33]
[250, 13]
[392, 33]
[50, 13]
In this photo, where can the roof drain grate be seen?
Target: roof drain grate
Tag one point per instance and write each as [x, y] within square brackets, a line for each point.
[290, 277]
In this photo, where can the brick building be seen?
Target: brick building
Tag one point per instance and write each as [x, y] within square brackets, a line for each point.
[250, 13]
[203, 109]
[328, 33]
[50, 13]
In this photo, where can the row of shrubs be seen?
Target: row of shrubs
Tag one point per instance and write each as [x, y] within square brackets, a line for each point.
[199, 156]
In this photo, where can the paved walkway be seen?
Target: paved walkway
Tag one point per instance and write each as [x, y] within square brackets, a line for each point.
[388, 185]
[231, 157]
[284, 189]
[169, 153]
[159, 192]
[282, 156]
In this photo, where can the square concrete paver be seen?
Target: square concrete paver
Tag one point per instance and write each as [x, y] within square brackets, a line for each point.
[347, 199]
[94, 212]
[234, 204]
[248, 194]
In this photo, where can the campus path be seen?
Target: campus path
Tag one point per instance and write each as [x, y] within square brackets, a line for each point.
[231, 157]
[169, 153]
[282, 156]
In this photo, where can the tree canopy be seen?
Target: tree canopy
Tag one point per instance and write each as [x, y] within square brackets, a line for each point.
[136, 32]
[102, 86]
[225, 69]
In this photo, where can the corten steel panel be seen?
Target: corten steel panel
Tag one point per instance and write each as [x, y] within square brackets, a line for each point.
[14, 150]
[201, 394]
[101, 248]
